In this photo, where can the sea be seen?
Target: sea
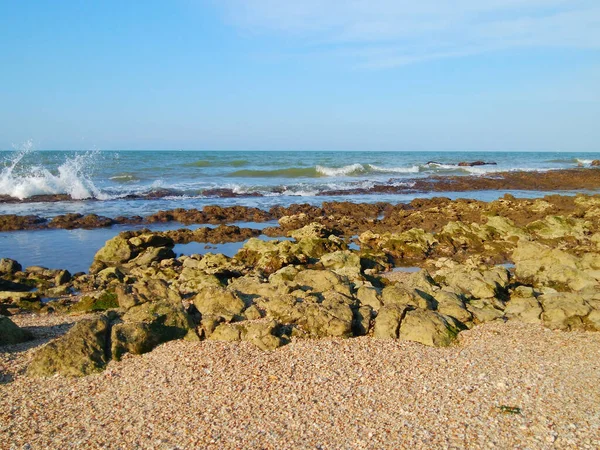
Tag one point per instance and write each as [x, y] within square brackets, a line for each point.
[127, 183]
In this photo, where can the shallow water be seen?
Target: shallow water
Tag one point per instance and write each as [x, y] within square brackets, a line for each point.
[74, 250]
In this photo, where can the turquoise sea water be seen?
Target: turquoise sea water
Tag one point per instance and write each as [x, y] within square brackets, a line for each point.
[114, 183]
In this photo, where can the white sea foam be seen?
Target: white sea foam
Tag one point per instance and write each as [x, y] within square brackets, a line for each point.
[341, 171]
[584, 161]
[71, 179]
[412, 169]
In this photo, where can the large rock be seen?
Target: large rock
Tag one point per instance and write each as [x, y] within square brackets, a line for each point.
[10, 333]
[130, 249]
[322, 280]
[219, 302]
[564, 311]
[9, 266]
[333, 316]
[144, 291]
[450, 304]
[82, 351]
[260, 333]
[400, 296]
[523, 309]
[543, 265]
[345, 263]
[387, 323]
[428, 328]
[554, 227]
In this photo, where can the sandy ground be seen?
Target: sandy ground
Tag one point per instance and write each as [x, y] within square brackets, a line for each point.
[328, 394]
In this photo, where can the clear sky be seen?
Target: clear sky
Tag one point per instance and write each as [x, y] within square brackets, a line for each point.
[301, 75]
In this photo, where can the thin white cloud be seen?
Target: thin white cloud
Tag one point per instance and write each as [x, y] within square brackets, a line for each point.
[388, 33]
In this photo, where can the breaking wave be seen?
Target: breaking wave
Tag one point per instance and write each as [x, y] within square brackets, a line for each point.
[19, 180]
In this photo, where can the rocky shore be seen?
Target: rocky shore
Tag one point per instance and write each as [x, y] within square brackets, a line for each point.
[470, 311]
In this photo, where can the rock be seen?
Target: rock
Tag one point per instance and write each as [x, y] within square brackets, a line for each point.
[564, 311]
[218, 264]
[150, 255]
[332, 316]
[486, 309]
[82, 351]
[409, 246]
[344, 263]
[369, 296]
[191, 281]
[321, 281]
[477, 284]
[220, 302]
[313, 247]
[132, 249]
[361, 323]
[554, 227]
[10, 333]
[267, 256]
[595, 163]
[400, 296]
[310, 231]
[106, 300]
[523, 309]
[143, 291]
[116, 251]
[262, 334]
[387, 323]
[9, 266]
[545, 266]
[145, 326]
[450, 304]
[429, 328]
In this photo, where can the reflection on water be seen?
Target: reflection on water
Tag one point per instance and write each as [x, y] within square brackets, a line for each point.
[74, 250]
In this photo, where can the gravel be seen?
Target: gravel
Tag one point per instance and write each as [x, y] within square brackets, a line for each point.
[506, 385]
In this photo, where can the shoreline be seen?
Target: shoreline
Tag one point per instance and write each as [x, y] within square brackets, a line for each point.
[314, 339]
[549, 180]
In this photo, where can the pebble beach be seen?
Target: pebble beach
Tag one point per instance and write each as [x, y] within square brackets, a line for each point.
[500, 386]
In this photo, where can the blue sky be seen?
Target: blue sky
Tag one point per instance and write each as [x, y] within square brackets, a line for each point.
[301, 75]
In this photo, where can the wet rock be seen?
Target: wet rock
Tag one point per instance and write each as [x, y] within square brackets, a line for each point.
[82, 351]
[10, 333]
[71, 221]
[476, 163]
[12, 222]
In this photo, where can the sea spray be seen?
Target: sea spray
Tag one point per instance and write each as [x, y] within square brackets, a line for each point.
[21, 180]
